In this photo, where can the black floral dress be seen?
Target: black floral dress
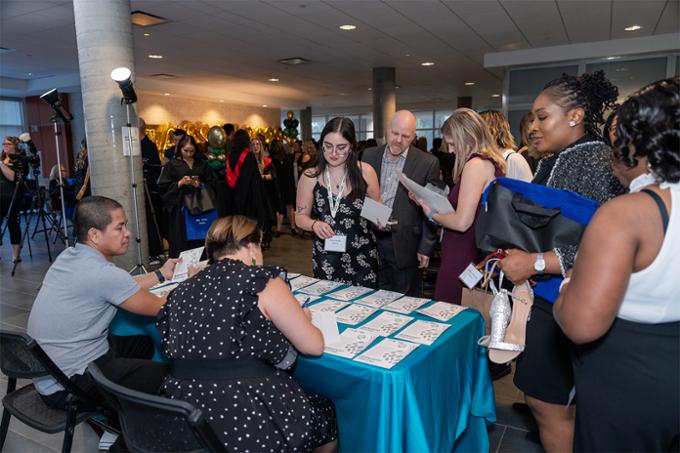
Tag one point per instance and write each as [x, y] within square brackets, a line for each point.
[359, 264]
[214, 316]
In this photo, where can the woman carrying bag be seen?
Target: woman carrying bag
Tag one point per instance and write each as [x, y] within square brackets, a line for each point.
[187, 186]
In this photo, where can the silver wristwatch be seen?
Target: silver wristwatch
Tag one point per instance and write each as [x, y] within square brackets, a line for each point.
[539, 264]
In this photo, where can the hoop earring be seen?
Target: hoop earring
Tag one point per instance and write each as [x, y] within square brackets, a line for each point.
[572, 123]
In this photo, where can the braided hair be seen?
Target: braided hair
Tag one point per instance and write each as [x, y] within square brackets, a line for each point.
[594, 93]
[649, 120]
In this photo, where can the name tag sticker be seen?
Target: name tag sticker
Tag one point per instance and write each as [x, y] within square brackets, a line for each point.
[336, 243]
[470, 276]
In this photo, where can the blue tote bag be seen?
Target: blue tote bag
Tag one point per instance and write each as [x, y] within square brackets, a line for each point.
[197, 226]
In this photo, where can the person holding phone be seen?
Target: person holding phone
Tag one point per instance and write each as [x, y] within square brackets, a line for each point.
[183, 175]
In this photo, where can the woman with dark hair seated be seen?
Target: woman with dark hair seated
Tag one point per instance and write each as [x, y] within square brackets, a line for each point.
[181, 177]
[226, 329]
[621, 304]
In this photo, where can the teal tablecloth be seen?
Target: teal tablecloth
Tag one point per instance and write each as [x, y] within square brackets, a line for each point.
[438, 399]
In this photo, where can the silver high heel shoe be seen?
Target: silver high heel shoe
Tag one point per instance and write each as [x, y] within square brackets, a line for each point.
[499, 312]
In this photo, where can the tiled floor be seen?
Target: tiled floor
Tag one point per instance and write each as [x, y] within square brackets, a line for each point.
[17, 294]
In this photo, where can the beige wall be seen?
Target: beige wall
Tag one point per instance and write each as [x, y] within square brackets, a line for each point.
[158, 109]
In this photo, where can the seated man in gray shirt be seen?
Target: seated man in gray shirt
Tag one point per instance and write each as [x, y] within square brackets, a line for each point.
[79, 297]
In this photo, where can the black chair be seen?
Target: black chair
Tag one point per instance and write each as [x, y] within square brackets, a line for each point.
[22, 358]
[152, 423]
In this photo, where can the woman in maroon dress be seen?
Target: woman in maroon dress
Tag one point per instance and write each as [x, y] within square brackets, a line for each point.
[478, 162]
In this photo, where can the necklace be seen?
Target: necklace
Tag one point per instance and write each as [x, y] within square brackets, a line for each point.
[334, 201]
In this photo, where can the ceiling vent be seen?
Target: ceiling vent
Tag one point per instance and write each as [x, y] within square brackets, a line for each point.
[294, 61]
[164, 76]
[143, 19]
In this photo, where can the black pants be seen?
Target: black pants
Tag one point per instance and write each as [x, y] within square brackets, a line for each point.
[13, 224]
[127, 363]
[392, 278]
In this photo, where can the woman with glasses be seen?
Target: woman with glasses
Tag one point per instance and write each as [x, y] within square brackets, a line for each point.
[10, 165]
[330, 197]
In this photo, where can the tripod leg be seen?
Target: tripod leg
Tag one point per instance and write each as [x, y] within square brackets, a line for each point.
[153, 214]
[27, 216]
[41, 217]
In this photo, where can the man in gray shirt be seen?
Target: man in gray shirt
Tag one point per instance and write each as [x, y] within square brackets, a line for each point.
[79, 297]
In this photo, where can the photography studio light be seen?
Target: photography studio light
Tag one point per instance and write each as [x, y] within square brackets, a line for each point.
[123, 77]
[52, 98]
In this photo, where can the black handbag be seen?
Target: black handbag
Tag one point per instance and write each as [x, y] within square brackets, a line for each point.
[199, 201]
[530, 217]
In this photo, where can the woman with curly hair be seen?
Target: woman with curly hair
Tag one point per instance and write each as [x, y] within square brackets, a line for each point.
[567, 116]
[621, 305]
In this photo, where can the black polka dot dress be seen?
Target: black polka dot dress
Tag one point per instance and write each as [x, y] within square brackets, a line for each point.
[213, 316]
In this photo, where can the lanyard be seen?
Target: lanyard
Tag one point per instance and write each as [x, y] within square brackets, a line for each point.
[334, 201]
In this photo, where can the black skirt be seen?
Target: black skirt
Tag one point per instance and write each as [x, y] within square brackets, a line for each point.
[628, 389]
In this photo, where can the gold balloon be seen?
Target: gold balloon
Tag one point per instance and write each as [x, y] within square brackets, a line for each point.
[290, 115]
[217, 137]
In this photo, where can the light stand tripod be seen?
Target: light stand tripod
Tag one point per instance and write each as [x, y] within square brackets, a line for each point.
[61, 182]
[140, 265]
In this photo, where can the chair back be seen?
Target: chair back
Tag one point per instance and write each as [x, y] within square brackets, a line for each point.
[22, 357]
[153, 423]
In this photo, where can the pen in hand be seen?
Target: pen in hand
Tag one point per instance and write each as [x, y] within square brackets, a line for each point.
[306, 302]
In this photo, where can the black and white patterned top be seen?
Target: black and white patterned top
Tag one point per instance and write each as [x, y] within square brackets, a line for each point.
[214, 316]
[359, 264]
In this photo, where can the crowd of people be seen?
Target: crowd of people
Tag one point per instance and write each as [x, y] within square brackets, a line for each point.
[612, 337]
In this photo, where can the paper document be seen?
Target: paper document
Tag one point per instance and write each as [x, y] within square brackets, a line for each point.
[434, 200]
[351, 343]
[304, 298]
[387, 353]
[423, 332]
[186, 258]
[441, 310]
[375, 212]
[292, 275]
[349, 293]
[320, 288]
[325, 322]
[379, 298]
[163, 289]
[406, 304]
[354, 314]
[328, 305]
[301, 281]
[386, 323]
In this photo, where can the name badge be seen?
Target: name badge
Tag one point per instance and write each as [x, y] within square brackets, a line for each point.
[470, 276]
[336, 243]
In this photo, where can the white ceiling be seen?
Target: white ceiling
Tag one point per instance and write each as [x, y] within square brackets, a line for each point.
[227, 50]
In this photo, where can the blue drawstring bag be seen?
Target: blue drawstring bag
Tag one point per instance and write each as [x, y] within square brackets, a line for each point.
[197, 226]
[533, 218]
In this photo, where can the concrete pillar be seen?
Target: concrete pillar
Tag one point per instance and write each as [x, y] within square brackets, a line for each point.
[306, 123]
[105, 41]
[384, 100]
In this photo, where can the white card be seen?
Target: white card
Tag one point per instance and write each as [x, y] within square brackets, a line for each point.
[162, 289]
[406, 304]
[330, 306]
[320, 288]
[325, 322]
[301, 282]
[354, 314]
[186, 258]
[375, 212]
[387, 353]
[292, 275]
[423, 332]
[442, 311]
[386, 323]
[351, 343]
[471, 276]
[336, 243]
[349, 293]
[379, 298]
[304, 298]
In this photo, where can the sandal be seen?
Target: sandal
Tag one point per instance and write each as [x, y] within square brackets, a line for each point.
[507, 340]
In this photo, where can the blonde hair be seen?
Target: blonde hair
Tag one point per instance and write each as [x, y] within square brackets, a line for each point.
[499, 128]
[471, 135]
[228, 234]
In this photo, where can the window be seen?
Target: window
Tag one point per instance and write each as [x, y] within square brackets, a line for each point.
[11, 117]
[631, 75]
[363, 124]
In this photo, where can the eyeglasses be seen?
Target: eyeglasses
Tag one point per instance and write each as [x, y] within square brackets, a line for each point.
[7, 144]
[340, 149]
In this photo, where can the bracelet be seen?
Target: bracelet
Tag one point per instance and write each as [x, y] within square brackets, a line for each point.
[312, 227]
[159, 275]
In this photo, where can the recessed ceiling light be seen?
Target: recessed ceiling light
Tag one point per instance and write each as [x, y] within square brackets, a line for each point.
[427, 63]
[348, 27]
[273, 79]
[342, 94]
[265, 105]
[293, 60]
[407, 55]
[147, 34]
[495, 95]
[633, 28]
[370, 89]
[155, 56]
[166, 94]
[612, 58]
[29, 74]
[469, 84]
